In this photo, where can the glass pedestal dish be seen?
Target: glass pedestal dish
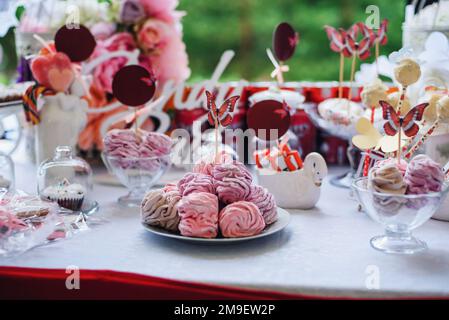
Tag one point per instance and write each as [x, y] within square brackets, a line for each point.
[137, 174]
[342, 131]
[399, 215]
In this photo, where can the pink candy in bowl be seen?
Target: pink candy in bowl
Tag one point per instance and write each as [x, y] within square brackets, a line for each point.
[137, 159]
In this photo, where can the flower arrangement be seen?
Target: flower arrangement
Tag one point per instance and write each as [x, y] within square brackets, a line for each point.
[153, 27]
[150, 26]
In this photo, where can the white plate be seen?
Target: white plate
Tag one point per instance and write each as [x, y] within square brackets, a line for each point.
[282, 221]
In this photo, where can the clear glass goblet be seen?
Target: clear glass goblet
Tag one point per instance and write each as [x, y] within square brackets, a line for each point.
[137, 174]
[399, 215]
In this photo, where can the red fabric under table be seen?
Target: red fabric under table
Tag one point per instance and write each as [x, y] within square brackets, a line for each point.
[30, 283]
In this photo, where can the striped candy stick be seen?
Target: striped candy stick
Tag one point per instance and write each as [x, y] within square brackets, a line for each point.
[368, 158]
[421, 141]
[30, 99]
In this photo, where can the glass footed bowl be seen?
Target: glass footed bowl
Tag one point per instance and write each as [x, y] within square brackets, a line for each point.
[399, 215]
[137, 174]
[343, 131]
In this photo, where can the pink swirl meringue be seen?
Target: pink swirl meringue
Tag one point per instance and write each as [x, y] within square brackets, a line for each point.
[206, 164]
[423, 175]
[401, 165]
[265, 202]
[170, 187]
[195, 182]
[144, 150]
[199, 215]
[160, 209]
[387, 179]
[232, 182]
[241, 219]
[122, 143]
[155, 144]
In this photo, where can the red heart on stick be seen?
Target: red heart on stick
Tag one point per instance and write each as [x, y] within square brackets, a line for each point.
[53, 71]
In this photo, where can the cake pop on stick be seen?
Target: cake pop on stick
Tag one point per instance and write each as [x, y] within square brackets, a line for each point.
[442, 108]
[407, 72]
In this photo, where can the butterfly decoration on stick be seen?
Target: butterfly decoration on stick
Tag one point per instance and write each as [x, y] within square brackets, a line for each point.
[337, 38]
[369, 138]
[222, 115]
[407, 123]
[360, 48]
[381, 35]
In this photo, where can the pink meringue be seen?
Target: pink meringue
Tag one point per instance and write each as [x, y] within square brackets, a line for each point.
[241, 219]
[199, 215]
[206, 165]
[133, 150]
[423, 175]
[122, 143]
[387, 179]
[170, 187]
[195, 182]
[232, 182]
[265, 202]
[160, 209]
[155, 144]
[401, 165]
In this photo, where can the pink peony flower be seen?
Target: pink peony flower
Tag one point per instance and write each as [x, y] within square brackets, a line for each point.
[102, 30]
[154, 34]
[171, 62]
[162, 9]
[104, 73]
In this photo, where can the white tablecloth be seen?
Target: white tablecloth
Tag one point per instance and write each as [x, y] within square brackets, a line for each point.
[324, 251]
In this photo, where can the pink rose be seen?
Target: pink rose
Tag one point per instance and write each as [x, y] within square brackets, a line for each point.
[154, 34]
[104, 73]
[171, 62]
[162, 9]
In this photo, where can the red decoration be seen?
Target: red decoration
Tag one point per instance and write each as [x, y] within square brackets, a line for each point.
[268, 115]
[360, 49]
[381, 35]
[285, 40]
[78, 43]
[133, 85]
[222, 115]
[337, 38]
[395, 122]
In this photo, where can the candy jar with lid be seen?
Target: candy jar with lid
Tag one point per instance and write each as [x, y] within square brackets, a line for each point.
[66, 179]
[6, 174]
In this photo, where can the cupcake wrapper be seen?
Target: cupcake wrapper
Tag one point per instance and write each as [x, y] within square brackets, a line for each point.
[73, 204]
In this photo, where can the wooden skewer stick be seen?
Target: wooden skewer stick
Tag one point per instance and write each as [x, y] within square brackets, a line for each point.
[351, 82]
[340, 79]
[401, 101]
[377, 58]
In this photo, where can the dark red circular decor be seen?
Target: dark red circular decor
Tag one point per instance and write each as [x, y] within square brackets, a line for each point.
[268, 115]
[133, 85]
[285, 40]
[77, 43]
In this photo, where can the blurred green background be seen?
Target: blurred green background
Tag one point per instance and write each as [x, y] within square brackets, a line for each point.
[246, 26]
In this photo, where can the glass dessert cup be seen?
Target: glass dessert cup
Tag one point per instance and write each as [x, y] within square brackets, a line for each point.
[399, 215]
[342, 131]
[137, 174]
